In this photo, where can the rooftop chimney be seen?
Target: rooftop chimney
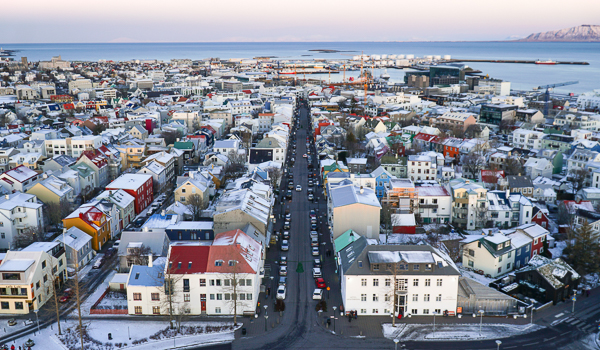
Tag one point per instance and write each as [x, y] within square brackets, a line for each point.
[163, 213]
[7, 196]
[150, 260]
[362, 190]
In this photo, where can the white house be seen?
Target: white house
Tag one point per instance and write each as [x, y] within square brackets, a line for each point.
[353, 208]
[18, 212]
[435, 204]
[380, 280]
[490, 253]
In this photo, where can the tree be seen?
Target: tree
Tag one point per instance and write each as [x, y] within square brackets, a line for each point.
[473, 162]
[577, 178]
[472, 131]
[275, 175]
[351, 143]
[237, 162]
[506, 125]
[25, 237]
[172, 290]
[138, 255]
[56, 212]
[481, 215]
[233, 281]
[170, 136]
[582, 249]
[50, 292]
[195, 204]
[513, 166]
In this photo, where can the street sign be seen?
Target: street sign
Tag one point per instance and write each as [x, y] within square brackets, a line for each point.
[574, 298]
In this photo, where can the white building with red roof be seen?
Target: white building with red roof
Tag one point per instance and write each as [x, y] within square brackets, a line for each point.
[19, 179]
[137, 185]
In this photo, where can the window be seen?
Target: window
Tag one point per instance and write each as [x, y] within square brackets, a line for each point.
[388, 282]
[427, 267]
[154, 296]
[249, 283]
[227, 284]
[414, 311]
[471, 252]
[11, 276]
[218, 262]
[242, 296]
[186, 298]
[217, 310]
[248, 296]
[186, 285]
[137, 296]
[375, 267]
[44, 262]
[427, 282]
[138, 310]
[415, 282]
[4, 305]
[415, 297]
[202, 282]
[438, 311]
[375, 311]
[509, 254]
[375, 297]
[387, 297]
[439, 282]
[426, 297]
[363, 282]
[218, 283]
[231, 262]
[227, 296]
[416, 267]
[376, 282]
[212, 297]
[360, 264]
[425, 311]
[219, 296]
[508, 266]
[438, 298]
[156, 310]
[37, 285]
[500, 269]
[242, 282]
[527, 249]
[363, 297]
[212, 282]
[500, 258]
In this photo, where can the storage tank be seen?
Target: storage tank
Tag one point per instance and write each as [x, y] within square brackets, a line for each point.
[376, 57]
[383, 57]
[356, 58]
[392, 57]
[437, 57]
[408, 57]
[447, 57]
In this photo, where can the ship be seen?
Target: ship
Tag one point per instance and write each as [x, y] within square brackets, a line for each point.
[385, 75]
[548, 62]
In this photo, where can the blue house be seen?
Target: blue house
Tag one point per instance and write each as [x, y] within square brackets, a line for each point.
[522, 245]
[382, 181]
[191, 231]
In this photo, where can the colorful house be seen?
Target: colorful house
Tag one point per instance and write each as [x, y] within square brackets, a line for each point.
[92, 221]
[137, 185]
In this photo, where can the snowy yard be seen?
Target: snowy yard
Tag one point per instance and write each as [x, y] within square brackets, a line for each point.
[114, 300]
[558, 249]
[424, 332]
[475, 276]
[92, 299]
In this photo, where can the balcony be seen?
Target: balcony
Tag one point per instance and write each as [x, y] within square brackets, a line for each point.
[20, 215]
[428, 206]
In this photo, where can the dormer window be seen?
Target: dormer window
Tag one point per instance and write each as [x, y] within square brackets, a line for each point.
[218, 262]
[179, 265]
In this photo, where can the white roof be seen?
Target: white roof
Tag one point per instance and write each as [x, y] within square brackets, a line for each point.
[350, 194]
[130, 181]
[16, 264]
[74, 238]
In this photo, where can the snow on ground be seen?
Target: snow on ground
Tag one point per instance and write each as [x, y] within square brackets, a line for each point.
[475, 276]
[424, 332]
[92, 299]
[558, 250]
[401, 238]
[113, 299]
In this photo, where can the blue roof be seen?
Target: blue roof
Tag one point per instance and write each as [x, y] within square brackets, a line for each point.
[146, 276]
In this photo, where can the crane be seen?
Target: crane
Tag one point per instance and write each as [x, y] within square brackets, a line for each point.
[547, 93]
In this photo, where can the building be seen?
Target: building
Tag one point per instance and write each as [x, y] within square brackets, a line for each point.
[356, 208]
[191, 231]
[520, 184]
[27, 277]
[455, 121]
[18, 212]
[53, 190]
[158, 173]
[492, 254]
[495, 113]
[469, 201]
[98, 163]
[19, 179]
[125, 204]
[547, 280]
[506, 209]
[380, 280]
[435, 204]
[137, 185]
[92, 221]
[420, 167]
[78, 246]
[140, 247]
[535, 167]
[527, 139]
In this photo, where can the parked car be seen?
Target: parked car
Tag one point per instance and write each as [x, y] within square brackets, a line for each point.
[283, 260]
[286, 225]
[317, 272]
[288, 217]
[304, 155]
[298, 188]
[281, 292]
[111, 251]
[67, 294]
[320, 282]
[314, 241]
[282, 270]
[314, 234]
[317, 263]
[318, 294]
[286, 234]
[282, 280]
[315, 251]
[289, 195]
[311, 197]
[313, 226]
[310, 183]
[99, 262]
[285, 245]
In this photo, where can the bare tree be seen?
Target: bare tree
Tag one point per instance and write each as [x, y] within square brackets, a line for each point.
[577, 178]
[237, 162]
[56, 212]
[26, 237]
[170, 136]
[50, 292]
[233, 281]
[195, 204]
[138, 255]
[172, 291]
[513, 166]
[506, 125]
[473, 162]
[481, 215]
[275, 175]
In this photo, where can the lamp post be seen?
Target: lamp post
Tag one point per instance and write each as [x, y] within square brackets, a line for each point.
[334, 308]
[531, 314]
[272, 277]
[266, 318]
[435, 313]
[480, 320]
[396, 341]
[37, 319]
[574, 299]
[498, 342]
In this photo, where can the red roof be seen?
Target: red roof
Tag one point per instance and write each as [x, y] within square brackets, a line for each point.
[426, 137]
[95, 157]
[491, 176]
[181, 256]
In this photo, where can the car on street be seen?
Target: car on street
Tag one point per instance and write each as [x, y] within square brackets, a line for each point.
[318, 294]
[310, 183]
[311, 197]
[285, 245]
[283, 260]
[286, 234]
[289, 195]
[282, 270]
[310, 175]
[313, 213]
[291, 185]
[286, 225]
[67, 294]
[314, 241]
[314, 234]
[111, 251]
[99, 262]
[317, 272]
[282, 281]
[298, 188]
[281, 292]
[320, 282]
[290, 176]
[317, 263]
[304, 155]
[313, 227]
[288, 217]
[313, 220]
[315, 251]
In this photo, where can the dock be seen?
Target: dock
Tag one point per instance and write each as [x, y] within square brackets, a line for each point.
[516, 61]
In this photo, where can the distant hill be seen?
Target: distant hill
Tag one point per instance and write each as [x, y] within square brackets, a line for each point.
[586, 32]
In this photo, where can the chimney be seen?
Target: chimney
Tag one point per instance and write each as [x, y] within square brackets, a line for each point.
[507, 193]
[362, 190]
[163, 213]
[64, 230]
[146, 229]
[150, 260]
[7, 196]
[45, 176]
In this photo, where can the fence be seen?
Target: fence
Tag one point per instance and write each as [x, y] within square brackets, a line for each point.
[112, 310]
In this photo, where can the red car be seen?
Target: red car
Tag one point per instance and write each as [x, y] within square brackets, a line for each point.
[320, 282]
[67, 294]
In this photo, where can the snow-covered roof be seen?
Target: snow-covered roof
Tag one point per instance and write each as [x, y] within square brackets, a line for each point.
[16, 264]
[74, 238]
[350, 194]
[130, 181]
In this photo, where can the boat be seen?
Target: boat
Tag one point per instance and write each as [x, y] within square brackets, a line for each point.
[548, 62]
[385, 75]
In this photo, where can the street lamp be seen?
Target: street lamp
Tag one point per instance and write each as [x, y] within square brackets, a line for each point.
[266, 318]
[498, 342]
[480, 321]
[435, 313]
[396, 341]
[37, 319]
[272, 277]
[531, 314]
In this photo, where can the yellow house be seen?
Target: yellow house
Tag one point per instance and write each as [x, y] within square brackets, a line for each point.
[92, 221]
[52, 190]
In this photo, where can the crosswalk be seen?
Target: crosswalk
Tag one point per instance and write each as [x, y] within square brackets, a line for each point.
[580, 324]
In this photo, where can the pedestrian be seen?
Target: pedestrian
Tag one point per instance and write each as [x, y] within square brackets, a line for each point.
[587, 293]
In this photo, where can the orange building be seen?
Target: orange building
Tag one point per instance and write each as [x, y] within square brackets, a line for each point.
[92, 221]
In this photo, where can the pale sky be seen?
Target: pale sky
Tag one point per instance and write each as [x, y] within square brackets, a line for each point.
[79, 21]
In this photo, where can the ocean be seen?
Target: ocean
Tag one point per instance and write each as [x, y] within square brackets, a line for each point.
[521, 76]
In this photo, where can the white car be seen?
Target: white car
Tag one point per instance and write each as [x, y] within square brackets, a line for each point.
[315, 251]
[317, 272]
[298, 188]
[281, 292]
[317, 294]
[285, 246]
[282, 270]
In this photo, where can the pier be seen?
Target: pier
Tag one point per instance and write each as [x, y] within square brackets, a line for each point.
[517, 61]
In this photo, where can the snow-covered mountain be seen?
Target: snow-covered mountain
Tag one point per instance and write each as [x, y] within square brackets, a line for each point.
[584, 32]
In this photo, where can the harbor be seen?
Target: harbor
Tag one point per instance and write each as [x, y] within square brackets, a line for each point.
[520, 61]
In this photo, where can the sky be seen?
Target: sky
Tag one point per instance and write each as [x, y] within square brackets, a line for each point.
[77, 21]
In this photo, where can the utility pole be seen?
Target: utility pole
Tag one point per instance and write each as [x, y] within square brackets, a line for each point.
[78, 298]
